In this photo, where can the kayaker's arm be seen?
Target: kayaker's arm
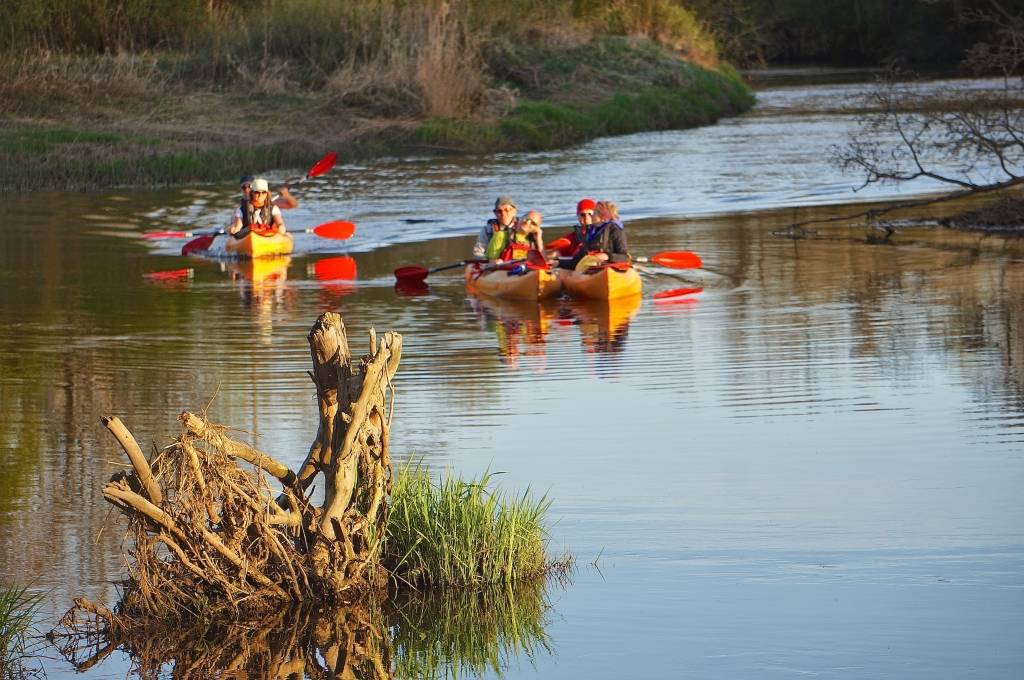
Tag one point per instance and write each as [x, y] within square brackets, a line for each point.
[619, 251]
[285, 200]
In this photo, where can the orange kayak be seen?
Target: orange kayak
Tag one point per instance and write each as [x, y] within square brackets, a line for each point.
[534, 284]
[606, 283]
[260, 245]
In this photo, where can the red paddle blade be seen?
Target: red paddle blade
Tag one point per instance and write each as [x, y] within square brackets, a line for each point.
[557, 244]
[335, 268]
[322, 165]
[676, 292]
[197, 244]
[167, 234]
[411, 273]
[339, 229]
[680, 259]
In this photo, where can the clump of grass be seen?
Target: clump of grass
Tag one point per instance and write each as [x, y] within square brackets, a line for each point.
[18, 607]
[463, 533]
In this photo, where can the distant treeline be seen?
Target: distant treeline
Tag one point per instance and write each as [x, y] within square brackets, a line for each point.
[922, 34]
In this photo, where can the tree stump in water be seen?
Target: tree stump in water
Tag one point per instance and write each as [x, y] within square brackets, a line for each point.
[211, 535]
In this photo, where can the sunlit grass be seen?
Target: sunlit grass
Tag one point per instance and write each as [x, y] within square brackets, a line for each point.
[463, 533]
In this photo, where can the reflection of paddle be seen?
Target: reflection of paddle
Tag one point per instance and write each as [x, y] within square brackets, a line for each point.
[413, 273]
[338, 229]
[676, 292]
[169, 276]
[341, 268]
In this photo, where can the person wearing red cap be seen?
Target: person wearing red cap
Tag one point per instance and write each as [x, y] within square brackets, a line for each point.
[605, 242]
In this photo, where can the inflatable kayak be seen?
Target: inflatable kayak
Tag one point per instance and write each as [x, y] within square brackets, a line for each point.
[603, 283]
[255, 244]
[533, 284]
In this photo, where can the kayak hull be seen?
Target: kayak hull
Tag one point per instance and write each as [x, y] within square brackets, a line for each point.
[535, 284]
[606, 283]
[260, 245]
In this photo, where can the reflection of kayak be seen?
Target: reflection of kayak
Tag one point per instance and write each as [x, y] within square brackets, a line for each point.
[605, 283]
[534, 284]
[605, 323]
[254, 244]
[262, 269]
[529, 311]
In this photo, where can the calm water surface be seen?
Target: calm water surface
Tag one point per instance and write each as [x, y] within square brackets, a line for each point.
[811, 467]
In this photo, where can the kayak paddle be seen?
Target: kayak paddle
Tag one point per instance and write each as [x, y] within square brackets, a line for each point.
[676, 259]
[412, 273]
[338, 229]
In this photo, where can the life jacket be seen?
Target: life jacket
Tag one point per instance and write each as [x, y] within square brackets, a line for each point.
[499, 238]
[518, 247]
[260, 219]
[598, 239]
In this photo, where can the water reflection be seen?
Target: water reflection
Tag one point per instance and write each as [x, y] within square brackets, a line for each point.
[460, 634]
[603, 324]
[520, 327]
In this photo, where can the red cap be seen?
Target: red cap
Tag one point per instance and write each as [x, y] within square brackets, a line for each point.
[585, 204]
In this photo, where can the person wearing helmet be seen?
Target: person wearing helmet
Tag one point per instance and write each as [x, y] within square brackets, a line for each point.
[258, 213]
[591, 243]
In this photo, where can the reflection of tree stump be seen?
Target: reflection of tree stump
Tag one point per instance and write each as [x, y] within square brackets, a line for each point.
[211, 535]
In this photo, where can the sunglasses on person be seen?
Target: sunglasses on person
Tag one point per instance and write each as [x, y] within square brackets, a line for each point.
[585, 213]
[530, 220]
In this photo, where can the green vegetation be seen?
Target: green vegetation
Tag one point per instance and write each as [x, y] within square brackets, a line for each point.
[100, 92]
[463, 533]
[17, 609]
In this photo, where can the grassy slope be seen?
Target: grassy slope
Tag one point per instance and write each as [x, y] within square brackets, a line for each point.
[117, 134]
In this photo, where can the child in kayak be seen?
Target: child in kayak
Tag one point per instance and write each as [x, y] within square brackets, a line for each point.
[257, 214]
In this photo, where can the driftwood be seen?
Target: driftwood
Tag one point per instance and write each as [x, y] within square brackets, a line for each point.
[212, 536]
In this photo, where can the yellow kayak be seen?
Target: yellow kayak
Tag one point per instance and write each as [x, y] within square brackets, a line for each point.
[260, 245]
[606, 283]
[534, 284]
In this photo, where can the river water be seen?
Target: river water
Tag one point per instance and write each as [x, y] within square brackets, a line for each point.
[810, 467]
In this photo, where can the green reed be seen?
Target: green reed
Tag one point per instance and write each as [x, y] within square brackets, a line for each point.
[18, 608]
[463, 533]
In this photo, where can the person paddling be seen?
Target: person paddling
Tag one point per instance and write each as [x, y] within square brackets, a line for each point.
[258, 214]
[283, 200]
[591, 243]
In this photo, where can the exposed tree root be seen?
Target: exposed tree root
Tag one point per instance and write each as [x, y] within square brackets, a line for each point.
[212, 538]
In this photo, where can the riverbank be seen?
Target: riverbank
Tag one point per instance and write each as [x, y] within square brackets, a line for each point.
[81, 123]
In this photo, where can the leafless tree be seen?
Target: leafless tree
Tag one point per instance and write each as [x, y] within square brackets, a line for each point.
[968, 138]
